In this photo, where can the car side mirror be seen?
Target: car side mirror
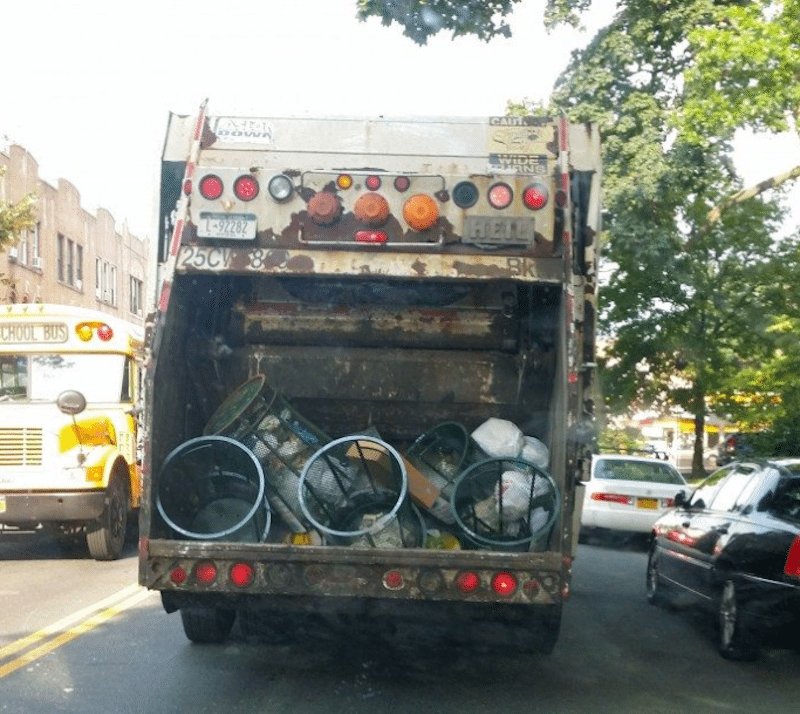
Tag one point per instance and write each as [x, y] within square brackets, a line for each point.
[681, 499]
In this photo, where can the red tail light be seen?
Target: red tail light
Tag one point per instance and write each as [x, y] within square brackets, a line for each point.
[402, 184]
[535, 196]
[205, 573]
[504, 584]
[393, 580]
[371, 237]
[245, 188]
[178, 575]
[373, 183]
[468, 582]
[792, 567]
[500, 195]
[612, 498]
[210, 187]
[242, 575]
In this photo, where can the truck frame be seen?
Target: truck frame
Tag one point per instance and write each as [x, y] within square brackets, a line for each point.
[380, 278]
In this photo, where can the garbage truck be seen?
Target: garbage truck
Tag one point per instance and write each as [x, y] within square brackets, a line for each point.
[369, 376]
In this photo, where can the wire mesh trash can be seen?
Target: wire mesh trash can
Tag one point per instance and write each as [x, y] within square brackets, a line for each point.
[505, 503]
[355, 489]
[213, 488]
[282, 440]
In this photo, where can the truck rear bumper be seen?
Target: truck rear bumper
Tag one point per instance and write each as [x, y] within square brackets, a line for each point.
[35, 507]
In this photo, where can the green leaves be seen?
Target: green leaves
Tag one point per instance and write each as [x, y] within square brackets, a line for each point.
[16, 217]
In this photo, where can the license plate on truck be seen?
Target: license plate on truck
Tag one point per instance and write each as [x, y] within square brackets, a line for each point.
[499, 231]
[232, 226]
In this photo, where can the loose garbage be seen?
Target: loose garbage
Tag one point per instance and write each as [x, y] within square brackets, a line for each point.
[450, 489]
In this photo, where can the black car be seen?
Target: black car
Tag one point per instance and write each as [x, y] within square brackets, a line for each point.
[733, 545]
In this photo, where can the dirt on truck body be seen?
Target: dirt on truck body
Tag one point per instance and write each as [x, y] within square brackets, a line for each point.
[369, 376]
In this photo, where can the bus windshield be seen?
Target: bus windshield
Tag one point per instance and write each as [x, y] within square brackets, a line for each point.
[42, 377]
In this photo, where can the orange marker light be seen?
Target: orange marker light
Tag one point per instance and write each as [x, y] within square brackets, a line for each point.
[420, 212]
[372, 209]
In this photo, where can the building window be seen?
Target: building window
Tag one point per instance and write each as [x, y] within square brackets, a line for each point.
[98, 278]
[70, 262]
[36, 250]
[78, 266]
[137, 290]
[113, 286]
[60, 267]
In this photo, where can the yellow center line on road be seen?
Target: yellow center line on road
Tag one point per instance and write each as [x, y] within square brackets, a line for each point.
[128, 597]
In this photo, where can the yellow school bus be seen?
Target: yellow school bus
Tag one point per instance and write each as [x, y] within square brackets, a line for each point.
[69, 408]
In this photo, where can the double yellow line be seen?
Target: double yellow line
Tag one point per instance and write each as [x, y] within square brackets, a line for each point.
[42, 642]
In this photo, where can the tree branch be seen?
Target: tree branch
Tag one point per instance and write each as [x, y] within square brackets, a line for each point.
[773, 182]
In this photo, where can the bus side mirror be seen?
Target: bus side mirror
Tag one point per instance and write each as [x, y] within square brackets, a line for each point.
[71, 402]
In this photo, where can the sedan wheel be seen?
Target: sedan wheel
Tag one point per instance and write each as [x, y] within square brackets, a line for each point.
[655, 590]
[736, 641]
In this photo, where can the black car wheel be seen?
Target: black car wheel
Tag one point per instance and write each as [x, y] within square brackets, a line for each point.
[656, 594]
[736, 640]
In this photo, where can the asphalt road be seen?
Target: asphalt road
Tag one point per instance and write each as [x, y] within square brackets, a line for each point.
[79, 636]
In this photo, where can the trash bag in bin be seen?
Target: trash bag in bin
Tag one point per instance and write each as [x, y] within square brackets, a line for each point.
[505, 503]
[355, 489]
[212, 487]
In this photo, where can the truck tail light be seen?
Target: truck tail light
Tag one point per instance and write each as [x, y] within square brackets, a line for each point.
[373, 183]
[246, 188]
[535, 196]
[324, 208]
[371, 237]
[468, 582]
[178, 575]
[402, 184]
[465, 194]
[504, 584]
[420, 212]
[205, 573]
[210, 187]
[500, 195]
[393, 580]
[372, 209]
[792, 567]
[280, 187]
[242, 575]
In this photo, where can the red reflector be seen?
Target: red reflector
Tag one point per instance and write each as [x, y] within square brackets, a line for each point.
[187, 186]
[792, 566]
[535, 196]
[467, 582]
[104, 332]
[371, 237]
[500, 195]
[504, 584]
[210, 187]
[205, 573]
[393, 580]
[612, 498]
[245, 188]
[373, 183]
[178, 575]
[242, 575]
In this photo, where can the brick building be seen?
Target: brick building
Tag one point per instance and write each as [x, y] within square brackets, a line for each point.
[70, 257]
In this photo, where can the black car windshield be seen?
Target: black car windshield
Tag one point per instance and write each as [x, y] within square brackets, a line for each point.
[634, 470]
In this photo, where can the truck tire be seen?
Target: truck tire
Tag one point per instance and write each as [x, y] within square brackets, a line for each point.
[550, 629]
[106, 536]
[207, 625]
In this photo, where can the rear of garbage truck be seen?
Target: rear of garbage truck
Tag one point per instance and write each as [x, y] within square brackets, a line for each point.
[369, 375]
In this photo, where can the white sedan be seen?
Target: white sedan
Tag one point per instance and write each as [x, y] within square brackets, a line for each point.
[629, 493]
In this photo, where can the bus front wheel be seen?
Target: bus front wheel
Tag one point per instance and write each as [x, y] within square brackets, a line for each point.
[106, 536]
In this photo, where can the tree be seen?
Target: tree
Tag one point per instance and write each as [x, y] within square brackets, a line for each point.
[485, 19]
[693, 288]
[15, 217]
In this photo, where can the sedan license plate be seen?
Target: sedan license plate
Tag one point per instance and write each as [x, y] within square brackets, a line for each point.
[646, 503]
[499, 231]
[230, 226]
